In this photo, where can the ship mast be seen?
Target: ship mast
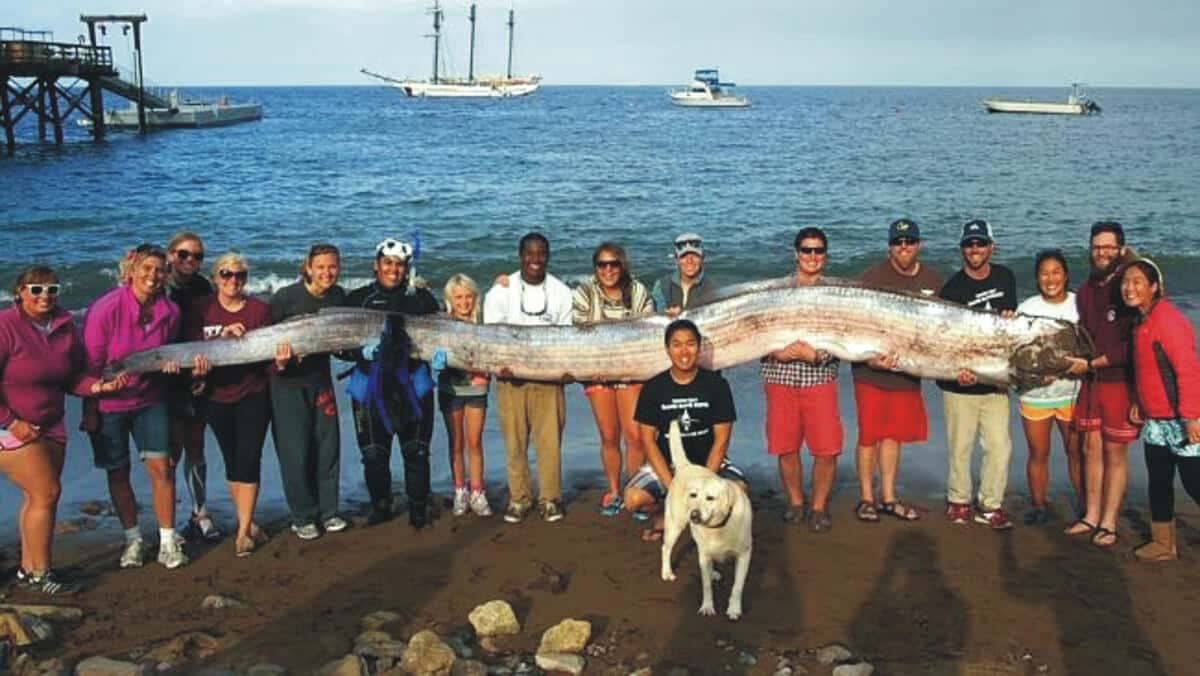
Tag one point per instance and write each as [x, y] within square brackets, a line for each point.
[510, 41]
[471, 62]
[437, 37]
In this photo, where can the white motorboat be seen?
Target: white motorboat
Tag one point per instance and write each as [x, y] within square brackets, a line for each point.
[1077, 104]
[707, 91]
[472, 87]
[182, 113]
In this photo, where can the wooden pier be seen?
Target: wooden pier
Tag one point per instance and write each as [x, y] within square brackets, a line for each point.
[32, 68]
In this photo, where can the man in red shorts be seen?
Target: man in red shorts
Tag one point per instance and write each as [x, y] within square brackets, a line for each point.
[891, 410]
[800, 385]
[1102, 407]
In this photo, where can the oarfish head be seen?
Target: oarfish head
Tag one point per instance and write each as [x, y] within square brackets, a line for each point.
[1043, 359]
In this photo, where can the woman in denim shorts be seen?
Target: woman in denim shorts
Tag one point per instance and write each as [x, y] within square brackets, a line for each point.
[462, 397]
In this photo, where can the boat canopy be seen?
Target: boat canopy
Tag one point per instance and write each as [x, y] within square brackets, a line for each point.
[709, 77]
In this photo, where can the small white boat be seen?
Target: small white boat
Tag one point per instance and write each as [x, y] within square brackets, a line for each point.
[707, 91]
[182, 114]
[1077, 104]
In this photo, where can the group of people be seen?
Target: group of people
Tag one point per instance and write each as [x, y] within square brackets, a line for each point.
[1143, 376]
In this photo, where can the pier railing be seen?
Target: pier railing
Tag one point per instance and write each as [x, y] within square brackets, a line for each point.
[34, 58]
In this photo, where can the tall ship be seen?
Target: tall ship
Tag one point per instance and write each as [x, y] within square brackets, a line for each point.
[1077, 103]
[443, 86]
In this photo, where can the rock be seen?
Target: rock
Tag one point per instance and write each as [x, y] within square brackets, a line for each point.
[52, 613]
[568, 636]
[219, 602]
[24, 629]
[93, 507]
[747, 659]
[783, 671]
[192, 646]
[561, 662]
[833, 653]
[266, 669]
[350, 665]
[378, 620]
[102, 666]
[468, 668]
[858, 669]
[494, 618]
[644, 671]
[54, 666]
[377, 645]
[427, 655]
[459, 645]
[22, 665]
[500, 645]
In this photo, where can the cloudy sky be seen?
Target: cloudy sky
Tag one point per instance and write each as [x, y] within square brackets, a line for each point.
[1153, 43]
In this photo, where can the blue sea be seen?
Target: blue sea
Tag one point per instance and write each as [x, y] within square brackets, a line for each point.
[353, 165]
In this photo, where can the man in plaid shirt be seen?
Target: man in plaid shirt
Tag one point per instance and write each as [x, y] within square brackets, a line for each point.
[800, 384]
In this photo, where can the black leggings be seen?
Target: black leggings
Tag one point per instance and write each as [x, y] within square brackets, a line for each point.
[1160, 466]
[241, 429]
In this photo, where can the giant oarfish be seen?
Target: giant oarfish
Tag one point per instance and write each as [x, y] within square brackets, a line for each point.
[931, 338]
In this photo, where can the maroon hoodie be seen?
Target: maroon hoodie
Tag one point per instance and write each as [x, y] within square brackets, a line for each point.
[1104, 314]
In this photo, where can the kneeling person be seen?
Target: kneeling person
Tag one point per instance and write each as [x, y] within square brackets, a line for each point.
[702, 402]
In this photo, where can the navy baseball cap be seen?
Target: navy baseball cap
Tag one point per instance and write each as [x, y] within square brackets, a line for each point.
[903, 227]
[977, 229]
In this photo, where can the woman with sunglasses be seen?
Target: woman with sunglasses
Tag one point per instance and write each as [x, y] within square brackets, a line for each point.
[238, 407]
[309, 443]
[612, 294]
[41, 359]
[185, 287]
[136, 316]
[1052, 405]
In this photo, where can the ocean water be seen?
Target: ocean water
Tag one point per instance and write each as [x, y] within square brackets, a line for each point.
[353, 165]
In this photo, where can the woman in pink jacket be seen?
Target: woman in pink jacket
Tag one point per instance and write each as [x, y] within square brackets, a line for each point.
[135, 316]
[41, 359]
[1167, 374]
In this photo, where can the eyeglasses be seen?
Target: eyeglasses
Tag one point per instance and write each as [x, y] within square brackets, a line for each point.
[43, 289]
[184, 254]
[682, 244]
[905, 241]
[545, 303]
[1105, 248]
[812, 250]
[608, 265]
[239, 275]
[975, 244]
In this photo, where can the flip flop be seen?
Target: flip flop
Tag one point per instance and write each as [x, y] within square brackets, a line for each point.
[1104, 538]
[1089, 528]
[652, 535]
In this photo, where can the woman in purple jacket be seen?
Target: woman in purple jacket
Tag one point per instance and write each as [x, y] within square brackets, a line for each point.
[41, 359]
[135, 316]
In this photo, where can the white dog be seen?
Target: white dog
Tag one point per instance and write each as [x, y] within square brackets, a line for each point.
[718, 513]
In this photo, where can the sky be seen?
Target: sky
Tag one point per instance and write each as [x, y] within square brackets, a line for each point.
[1152, 43]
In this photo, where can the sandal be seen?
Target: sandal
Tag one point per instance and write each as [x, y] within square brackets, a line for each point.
[865, 511]
[1104, 538]
[899, 510]
[652, 535]
[640, 516]
[1088, 528]
[611, 504]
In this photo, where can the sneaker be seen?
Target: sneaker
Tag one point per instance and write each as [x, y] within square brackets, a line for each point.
[134, 554]
[205, 527]
[335, 524]
[516, 512]
[479, 504]
[995, 519]
[172, 557]
[611, 504]
[461, 499]
[379, 514]
[46, 583]
[958, 512]
[308, 531]
[550, 511]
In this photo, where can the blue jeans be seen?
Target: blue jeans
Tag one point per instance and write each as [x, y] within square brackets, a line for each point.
[147, 426]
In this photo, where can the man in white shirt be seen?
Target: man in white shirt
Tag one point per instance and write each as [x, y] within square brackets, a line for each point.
[531, 297]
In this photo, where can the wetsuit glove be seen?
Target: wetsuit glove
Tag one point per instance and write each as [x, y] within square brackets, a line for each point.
[369, 349]
[438, 362]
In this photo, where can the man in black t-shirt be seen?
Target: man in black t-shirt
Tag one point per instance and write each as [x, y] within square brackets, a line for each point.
[702, 402]
[974, 410]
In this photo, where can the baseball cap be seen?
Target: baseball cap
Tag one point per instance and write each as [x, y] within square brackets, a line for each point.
[976, 229]
[903, 227]
[689, 242]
